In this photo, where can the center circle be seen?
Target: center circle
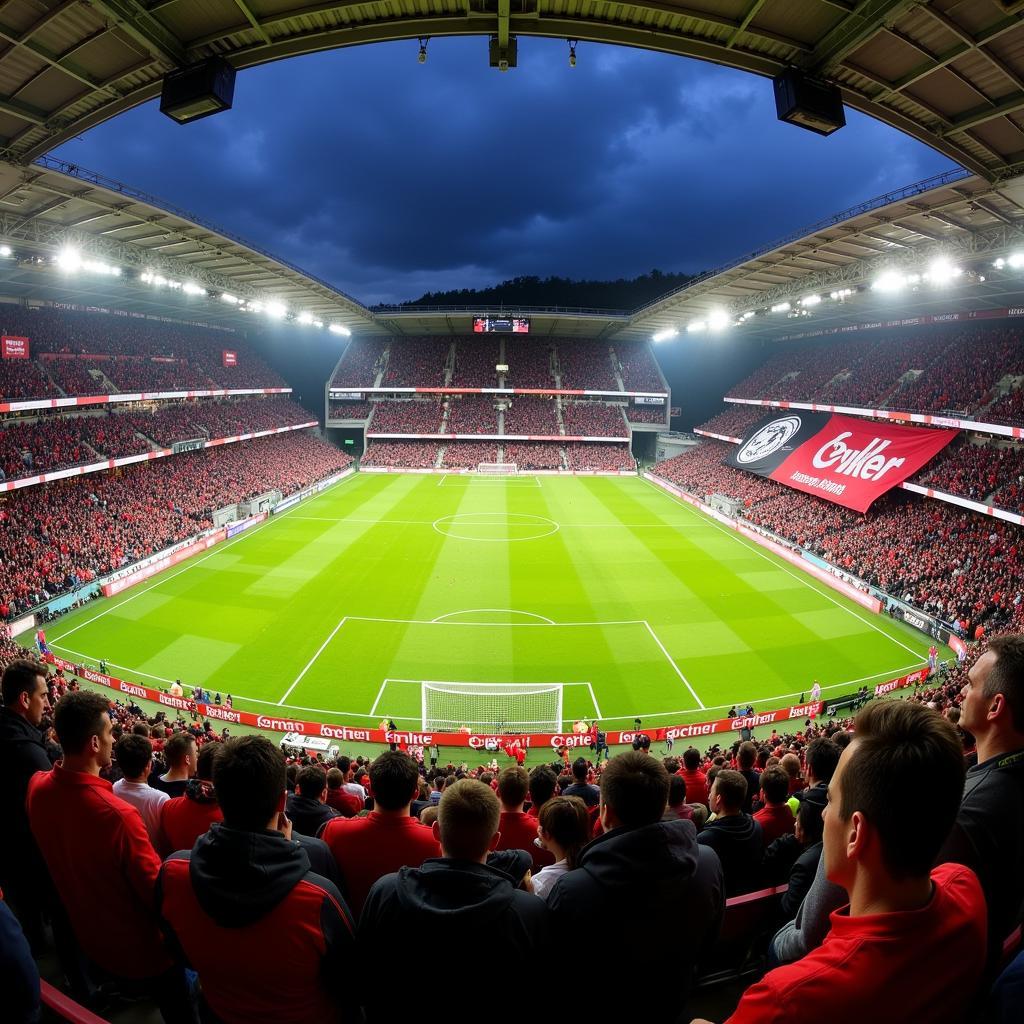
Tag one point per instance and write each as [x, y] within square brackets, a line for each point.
[495, 527]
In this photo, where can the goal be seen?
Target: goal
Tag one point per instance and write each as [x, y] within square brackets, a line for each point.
[497, 468]
[492, 707]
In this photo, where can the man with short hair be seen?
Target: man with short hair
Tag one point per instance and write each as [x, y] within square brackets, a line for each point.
[820, 763]
[185, 818]
[271, 939]
[307, 806]
[775, 817]
[451, 898]
[911, 944]
[746, 756]
[134, 754]
[988, 835]
[518, 830]
[348, 805]
[697, 789]
[100, 858]
[387, 838]
[543, 783]
[181, 755]
[643, 876]
[589, 794]
[22, 754]
[733, 834]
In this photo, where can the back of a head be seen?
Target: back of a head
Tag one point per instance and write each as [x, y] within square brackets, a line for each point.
[20, 676]
[79, 717]
[249, 781]
[133, 754]
[579, 769]
[1007, 676]
[335, 778]
[204, 763]
[746, 755]
[566, 820]
[732, 789]
[394, 780]
[542, 784]
[513, 785]
[311, 782]
[467, 817]
[676, 790]
[635, 787]
[790, 763]
[822, 757]
[141, 729]
[809, 817]
[774, 785]
[914, 747]
[177, 748]
[691, 759]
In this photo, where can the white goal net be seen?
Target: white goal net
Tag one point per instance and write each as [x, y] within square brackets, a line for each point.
[492, 707]
[497, 468]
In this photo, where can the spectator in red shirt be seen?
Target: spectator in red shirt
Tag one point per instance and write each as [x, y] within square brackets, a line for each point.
[345, 803]
[518, 830]
[388, 838]
[184, 819]
[775, 817]
[101, 860]
[790, 763]
[911, 943]
[697, 789]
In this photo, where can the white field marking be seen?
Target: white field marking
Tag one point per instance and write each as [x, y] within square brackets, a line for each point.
[610, 525]
[309, 664]
[440, 483]
[513, 611]
[593, 700]
[686, 682]
[482, 682]
[528, 481]
[451, 520]
[380, 693]
[493, 625]
[802, 577]
[192, 563]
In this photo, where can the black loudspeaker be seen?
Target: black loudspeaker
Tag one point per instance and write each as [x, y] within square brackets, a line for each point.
[198, 90]
[808, 103]
[503, 57]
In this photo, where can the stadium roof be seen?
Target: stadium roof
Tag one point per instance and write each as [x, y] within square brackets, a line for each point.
[949, 74]
[956, 216]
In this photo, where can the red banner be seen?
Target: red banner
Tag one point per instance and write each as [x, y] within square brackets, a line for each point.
[12, 347]
[487, 742]
[229, 358]
[849, 461]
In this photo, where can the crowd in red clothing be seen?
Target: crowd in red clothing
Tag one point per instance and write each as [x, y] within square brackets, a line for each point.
[585, 364]
[360, 364]
[638, 367]
[734, 420]
[472, 414]
[401, 454]
[342, 410]
[56, 537]
[981, 472]
[469, 454]
[593, 419]
[417, 362]
[646, 413]
[534, 455]
[416, 416]
[603, 457]
[475, 362]
[529, 363]
[529, 414]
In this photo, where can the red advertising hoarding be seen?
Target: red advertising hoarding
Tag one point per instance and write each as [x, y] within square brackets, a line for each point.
[12, 347]
[229, 358]
[849, 461]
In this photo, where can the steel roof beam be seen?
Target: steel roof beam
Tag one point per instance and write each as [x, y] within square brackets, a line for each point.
[138, 23]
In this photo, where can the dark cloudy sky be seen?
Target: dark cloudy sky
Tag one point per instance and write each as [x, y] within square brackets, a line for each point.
[388, 178]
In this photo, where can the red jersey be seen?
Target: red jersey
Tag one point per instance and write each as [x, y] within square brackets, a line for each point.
[183, 821]
[518, 831]
[775, 822]
[696, 785]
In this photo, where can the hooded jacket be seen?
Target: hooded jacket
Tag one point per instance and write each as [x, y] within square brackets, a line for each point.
[651, 884]
[22, 754]
[738, 841]
[308, 815]
[266, 935]
[447, 903]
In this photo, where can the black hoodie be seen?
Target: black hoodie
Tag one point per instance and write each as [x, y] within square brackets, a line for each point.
[653, 899]
[259, 926]
[739, 843]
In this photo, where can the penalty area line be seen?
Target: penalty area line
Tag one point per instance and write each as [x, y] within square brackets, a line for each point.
[671, 661]
[309, 664]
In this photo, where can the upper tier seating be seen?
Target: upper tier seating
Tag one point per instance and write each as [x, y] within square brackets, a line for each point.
[585, 365]
[734, 420]
[358, 367]
[410, 417]
[475, 360]
[417, 362]
[639, 369]
[472, 414]
[529, 363]
[530, 414]
[594, 419]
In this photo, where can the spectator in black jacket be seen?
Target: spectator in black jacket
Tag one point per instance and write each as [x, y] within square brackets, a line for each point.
[307, 806]
[271, 939]
[19, 976]
[793, 859]
[640, 879]
[22, 754]
[447, 900]
[734, 835]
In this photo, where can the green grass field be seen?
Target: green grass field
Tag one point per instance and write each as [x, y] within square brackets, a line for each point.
[339, 608]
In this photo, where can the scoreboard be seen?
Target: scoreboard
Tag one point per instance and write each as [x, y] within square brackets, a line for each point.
[500, 325]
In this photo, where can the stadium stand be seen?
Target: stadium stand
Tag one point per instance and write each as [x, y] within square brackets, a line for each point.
[475, 362]
[986, 472]
[645, 413]
[734, 420]
[25, 378]
[56, 537]
[468, 454]
[359, 364]
[533, 455]
[417, 362]
[638, 367]
[529, 363]
[585, 364]
[528, 414]
[603, 457]
[594, 419]
[472, 414]
[350, 410]
[415, 416]
[399, 454]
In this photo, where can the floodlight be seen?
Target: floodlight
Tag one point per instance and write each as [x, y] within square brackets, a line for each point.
[890, 281]
[191, 288]
[5, 250]
[717, 319]
[198, 90]
[695, 326]
[572, 52]
[69, 260]
[421, 57]
[1016, 261]
[942, 271]
[339, 329]
[810, 300]
[228, 297]
[276, 309]
[781, 307]
[664, 335]
[305, 318]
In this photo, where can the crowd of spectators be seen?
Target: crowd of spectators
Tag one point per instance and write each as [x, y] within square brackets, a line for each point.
[963, 567]
[475, 362]
[401, 454]
[529, 363]
[638, 367]
[57, 537]
[980, 472]
[341, 410]
[734, 420]
[417, 362]
[472, 414]
[24, 378]
[646, 413]
[50, 443]
[469, 454]
[359, 364]
[415, 416]
[531, 415]
[585, 364]
[605, 458]
[1007, 409]
[594, 419]
[527, 455]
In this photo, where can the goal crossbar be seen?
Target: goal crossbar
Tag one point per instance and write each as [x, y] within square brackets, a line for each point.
[491, 707]
[497, 469]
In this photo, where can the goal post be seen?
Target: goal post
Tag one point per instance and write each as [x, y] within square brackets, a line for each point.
[497, 469]
[491, 707]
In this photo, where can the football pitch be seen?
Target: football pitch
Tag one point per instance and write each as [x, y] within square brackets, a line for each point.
[338, 609]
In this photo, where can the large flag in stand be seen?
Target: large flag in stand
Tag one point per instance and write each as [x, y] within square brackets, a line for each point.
[840, 458]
